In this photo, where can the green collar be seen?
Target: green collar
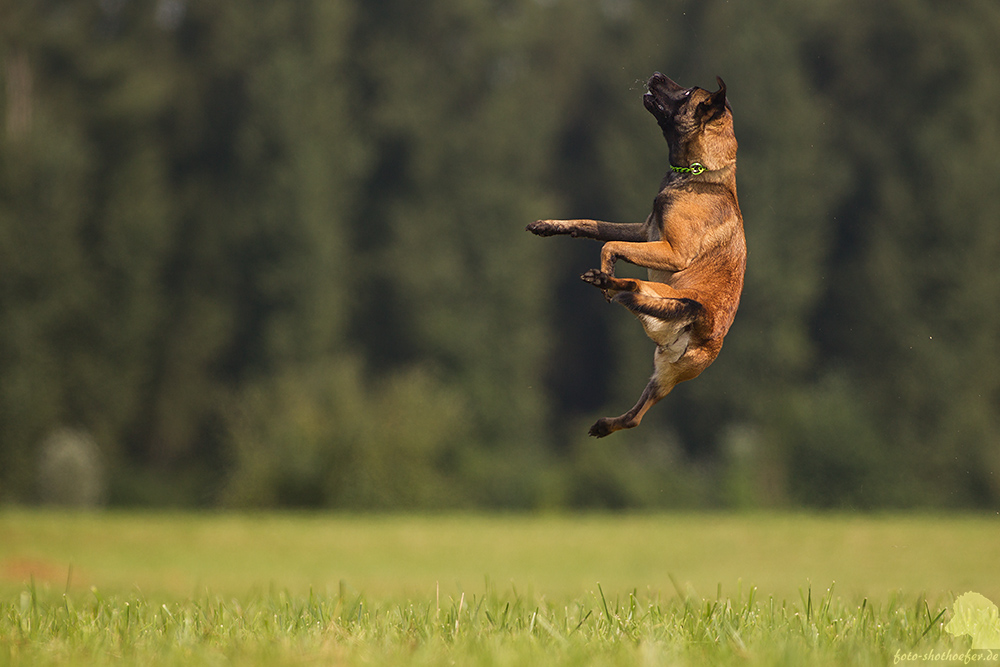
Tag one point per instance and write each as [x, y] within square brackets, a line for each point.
[695, 169]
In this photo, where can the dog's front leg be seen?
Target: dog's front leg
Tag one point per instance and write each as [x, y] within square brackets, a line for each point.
[590, 229]
[656, 255]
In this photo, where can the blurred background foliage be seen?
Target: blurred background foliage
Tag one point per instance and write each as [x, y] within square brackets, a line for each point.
[258, 254]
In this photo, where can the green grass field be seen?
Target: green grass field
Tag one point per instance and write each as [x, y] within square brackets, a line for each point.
[149, 588]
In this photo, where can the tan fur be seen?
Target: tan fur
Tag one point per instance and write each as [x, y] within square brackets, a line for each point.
[692, 244]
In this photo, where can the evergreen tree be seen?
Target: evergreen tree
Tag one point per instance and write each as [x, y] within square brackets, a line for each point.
[461, 121]
[274, 254]
[910, 308]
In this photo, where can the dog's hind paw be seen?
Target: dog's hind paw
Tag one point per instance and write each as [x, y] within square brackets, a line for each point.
[601, 428]
[597, 278]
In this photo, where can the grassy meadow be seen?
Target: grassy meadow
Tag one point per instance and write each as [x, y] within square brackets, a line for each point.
[158, 588]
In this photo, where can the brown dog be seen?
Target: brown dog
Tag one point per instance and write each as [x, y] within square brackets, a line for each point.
[692, 243]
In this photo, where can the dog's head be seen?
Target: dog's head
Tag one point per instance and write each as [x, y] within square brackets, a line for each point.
[696, 123]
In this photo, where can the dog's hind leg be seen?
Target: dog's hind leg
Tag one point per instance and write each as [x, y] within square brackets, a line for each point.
[675, 325]
[604, 281]
[662, 308]
[672, 364]
[645, 297]
[650, 396]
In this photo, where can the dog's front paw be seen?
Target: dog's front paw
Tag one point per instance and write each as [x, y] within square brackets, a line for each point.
[545, 228]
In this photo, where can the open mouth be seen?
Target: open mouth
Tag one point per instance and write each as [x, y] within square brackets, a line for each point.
[662, 96]
[652, 104]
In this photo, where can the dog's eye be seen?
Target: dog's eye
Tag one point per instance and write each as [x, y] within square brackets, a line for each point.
[687, 93]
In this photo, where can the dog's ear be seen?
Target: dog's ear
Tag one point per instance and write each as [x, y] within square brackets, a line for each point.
[716, 103]
[719, 96]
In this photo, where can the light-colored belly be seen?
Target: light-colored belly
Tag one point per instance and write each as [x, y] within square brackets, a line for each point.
[671, 337]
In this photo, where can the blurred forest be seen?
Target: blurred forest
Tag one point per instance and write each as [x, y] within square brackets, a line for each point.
[259, 254]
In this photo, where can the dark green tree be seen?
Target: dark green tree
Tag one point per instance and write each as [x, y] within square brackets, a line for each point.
[461, 113]
[909, 313]
[274, 254]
